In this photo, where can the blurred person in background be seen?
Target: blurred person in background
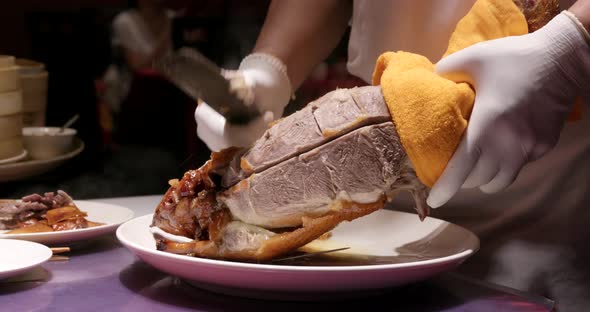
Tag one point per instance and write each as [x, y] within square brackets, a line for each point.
[143, 33]
[138, 95]
[533, 230]
[140, 34]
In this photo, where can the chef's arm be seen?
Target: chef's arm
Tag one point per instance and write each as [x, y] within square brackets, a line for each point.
[302, 33]
[558, 56]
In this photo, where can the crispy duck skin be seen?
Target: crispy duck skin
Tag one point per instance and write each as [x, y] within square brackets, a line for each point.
[188, 205]
[337, 159]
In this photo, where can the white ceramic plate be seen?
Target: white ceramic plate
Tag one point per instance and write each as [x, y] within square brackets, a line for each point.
[27, 168]
[19, 256]
[111, 215]
[400, 248]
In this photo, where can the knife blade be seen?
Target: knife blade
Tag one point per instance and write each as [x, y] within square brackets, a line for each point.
[200, 78]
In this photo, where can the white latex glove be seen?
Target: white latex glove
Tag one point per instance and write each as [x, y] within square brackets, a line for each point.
[525, 88]
[261, 80]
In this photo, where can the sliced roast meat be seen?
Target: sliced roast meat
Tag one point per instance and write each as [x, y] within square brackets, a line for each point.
[331, 116]
[13, 212]
[360, 166]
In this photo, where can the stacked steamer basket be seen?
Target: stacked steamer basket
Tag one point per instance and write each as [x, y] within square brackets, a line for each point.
[11, 117]
[33, 81]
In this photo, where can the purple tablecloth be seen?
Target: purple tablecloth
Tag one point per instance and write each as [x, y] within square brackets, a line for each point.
[104, 276]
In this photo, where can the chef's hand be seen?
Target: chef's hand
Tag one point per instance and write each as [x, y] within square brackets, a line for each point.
[525, 87]
[261, 80]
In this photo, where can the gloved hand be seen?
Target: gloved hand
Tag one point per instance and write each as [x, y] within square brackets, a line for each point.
[525, 88]
[261, 80]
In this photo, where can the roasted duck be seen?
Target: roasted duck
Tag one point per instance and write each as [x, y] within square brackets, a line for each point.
[335, 160]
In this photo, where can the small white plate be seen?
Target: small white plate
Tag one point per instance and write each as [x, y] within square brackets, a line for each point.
[111, 215]
[14, 159]
[28, 167]
[401, 250]
[19, 256]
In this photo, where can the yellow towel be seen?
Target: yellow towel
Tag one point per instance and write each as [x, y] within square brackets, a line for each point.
[431, 112]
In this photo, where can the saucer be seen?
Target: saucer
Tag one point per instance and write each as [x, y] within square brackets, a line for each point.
[16, 158]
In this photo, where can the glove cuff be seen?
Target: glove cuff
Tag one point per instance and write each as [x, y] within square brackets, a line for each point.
[579, 25]
[267, 74]
[257, 59]
[569, 45]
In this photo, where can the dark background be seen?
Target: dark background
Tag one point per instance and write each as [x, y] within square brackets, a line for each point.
[153, 139]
